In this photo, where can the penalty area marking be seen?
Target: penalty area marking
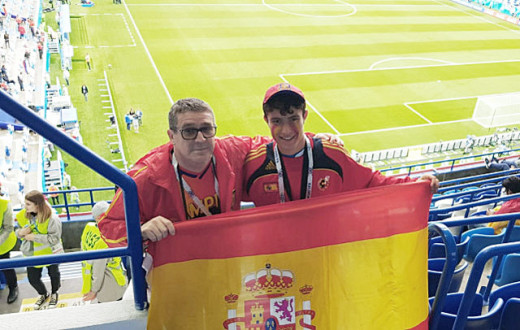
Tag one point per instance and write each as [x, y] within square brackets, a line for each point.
[406, 104]
[341, 3]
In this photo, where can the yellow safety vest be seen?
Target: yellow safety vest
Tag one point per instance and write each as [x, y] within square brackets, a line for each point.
[91, 240]
[10, 242]
[37, 228]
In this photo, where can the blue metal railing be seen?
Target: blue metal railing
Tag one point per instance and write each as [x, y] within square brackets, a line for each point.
[107, 170]
[478, 266]
[452, 162]
[447, 272]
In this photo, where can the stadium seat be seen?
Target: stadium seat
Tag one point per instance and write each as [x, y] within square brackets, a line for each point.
[479, 241]
[451, 145]
[437, 249]
[487, 140]
[485, 194]
[404, 152]
[444, 146]
[509, 318]
[368, 157]
[475, 321]
[431, 148]
[391, 153]
[375, 156]
[437, 147]
[509, 270]
[505, 292]
[435, 267]
[457, 144]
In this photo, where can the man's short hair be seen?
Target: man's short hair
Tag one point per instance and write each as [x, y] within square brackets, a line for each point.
[512, 184]
[184, 106]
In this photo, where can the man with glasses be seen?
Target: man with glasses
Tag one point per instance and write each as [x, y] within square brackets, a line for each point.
[194, 175]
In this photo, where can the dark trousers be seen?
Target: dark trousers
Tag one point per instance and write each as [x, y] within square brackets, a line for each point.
[10, 275]
[35, 278]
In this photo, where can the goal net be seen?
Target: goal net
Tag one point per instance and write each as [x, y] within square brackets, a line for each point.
[497, 110]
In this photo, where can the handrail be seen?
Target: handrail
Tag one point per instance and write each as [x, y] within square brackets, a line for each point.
[452, 161]
[511, 217]
[434, 212]
[447, 272]
[107, 170]
[495, 175]
[467, 192]
[475, 275]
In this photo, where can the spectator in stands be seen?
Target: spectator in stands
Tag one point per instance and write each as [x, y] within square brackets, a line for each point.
[301, 167]
[40, 232]
[40, 49]
[103, 279]
[7, 243]
[87, 60]
[66, 76]
[55, 196]
[20, 82]
[84, 91]
[21, 30]
[194, 163]
[511, 186]
[6, 39]
[6, 79]
[501, 164]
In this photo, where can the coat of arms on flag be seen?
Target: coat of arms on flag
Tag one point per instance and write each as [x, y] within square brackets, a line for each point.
[267, 302]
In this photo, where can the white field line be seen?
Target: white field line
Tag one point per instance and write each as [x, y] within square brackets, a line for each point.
[316, 110]
[373, 66]
[112, 46]
[417, 113]
[405, 127]
[396, 68]
[470, 11]
[277, 8]
[148, 54]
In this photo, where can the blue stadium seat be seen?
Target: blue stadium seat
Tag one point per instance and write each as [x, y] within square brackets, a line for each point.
[476, 321]
[509, 270]
[438, 249]
[509, 319]
[479, 241]
[435, 267]
[506, 292]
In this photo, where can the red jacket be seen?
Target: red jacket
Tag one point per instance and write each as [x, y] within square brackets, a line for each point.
[334, 172]
[160, 193]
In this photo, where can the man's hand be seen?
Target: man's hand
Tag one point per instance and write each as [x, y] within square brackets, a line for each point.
[89, 296]
[332, 138]
[434, 182]
[157, 228]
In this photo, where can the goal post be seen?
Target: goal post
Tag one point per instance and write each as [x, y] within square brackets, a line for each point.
[497, 110]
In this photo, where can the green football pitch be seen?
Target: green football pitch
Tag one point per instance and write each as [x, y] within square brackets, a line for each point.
[380, 73]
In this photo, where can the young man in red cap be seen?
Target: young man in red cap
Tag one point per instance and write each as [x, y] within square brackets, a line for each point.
[295, 166]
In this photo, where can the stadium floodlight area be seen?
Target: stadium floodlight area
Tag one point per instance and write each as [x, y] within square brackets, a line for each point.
[497, 110]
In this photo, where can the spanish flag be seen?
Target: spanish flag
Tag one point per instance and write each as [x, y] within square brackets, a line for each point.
[354, 260]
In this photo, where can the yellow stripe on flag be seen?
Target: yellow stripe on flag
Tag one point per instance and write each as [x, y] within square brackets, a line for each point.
[378, 283]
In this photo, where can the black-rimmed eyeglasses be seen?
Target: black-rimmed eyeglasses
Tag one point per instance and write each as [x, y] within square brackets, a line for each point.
[191, 133]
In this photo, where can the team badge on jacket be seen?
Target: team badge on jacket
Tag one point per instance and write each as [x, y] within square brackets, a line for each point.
[269, 300]
[270, 187]
[324, 183]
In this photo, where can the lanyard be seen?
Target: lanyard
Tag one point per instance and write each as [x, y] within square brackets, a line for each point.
[282, 176]
[186, 187]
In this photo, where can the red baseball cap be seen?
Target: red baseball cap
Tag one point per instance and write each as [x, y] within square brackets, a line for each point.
[282, 88]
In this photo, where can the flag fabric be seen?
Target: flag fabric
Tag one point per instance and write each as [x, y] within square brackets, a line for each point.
[354, 260]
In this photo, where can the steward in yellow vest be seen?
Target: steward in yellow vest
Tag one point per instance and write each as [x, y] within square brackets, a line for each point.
[40, 232]
[7, 243]
[103, 279]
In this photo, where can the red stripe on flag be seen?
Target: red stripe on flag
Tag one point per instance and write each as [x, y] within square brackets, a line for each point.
[329, 220]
